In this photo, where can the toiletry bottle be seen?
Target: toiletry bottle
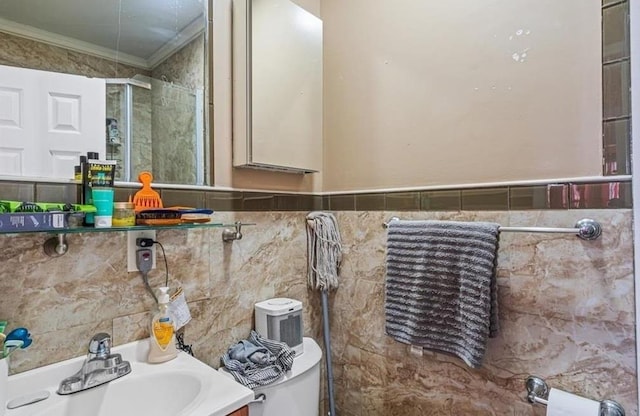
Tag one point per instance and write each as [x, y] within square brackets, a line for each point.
[162, 342]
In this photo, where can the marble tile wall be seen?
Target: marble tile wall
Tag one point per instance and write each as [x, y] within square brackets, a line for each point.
[142, 132]
[185, 67]
[173, 124]
[65, 300]
[566, 307]
[174, 113]
[566, 313]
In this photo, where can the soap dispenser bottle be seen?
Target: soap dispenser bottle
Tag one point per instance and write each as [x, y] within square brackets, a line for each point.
[162, 343]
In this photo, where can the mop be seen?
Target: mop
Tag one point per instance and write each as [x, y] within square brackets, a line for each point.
[324, 253]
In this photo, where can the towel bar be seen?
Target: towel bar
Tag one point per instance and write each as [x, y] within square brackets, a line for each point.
[538, 391]
[586, 229]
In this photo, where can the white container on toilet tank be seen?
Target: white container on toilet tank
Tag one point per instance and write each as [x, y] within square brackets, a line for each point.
[280, 319]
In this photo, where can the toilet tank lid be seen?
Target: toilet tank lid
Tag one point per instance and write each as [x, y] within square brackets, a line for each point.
[312, 354]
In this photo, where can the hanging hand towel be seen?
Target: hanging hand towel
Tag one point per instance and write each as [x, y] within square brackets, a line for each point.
[441, 289]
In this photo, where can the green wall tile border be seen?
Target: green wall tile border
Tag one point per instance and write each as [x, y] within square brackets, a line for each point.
[616, 83]
[551, 196]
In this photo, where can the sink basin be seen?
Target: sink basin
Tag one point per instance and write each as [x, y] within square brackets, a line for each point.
[183, 386]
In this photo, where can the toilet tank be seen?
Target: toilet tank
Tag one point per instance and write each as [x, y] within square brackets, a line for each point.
[297, 393]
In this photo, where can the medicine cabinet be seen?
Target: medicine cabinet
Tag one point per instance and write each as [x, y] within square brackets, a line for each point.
[277, 86]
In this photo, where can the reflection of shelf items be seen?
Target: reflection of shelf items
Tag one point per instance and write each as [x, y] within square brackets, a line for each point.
[113, 133]
[114, 144]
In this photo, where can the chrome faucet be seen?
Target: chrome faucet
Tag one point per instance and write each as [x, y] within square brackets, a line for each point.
[98, 368]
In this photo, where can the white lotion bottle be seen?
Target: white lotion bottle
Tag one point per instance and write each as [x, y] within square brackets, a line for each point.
[162, 342]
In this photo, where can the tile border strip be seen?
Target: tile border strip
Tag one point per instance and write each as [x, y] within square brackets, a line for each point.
[615, 86]
[551, 196]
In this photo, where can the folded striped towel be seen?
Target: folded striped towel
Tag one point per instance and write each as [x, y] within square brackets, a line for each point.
[441, 289]
[258, 361]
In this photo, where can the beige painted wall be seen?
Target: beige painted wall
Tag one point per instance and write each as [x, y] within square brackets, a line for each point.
[432, 93]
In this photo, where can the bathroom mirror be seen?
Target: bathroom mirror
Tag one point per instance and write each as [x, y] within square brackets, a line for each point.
[153, 56]
[277, 94]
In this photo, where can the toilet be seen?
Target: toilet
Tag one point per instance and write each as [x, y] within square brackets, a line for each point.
[297, 393]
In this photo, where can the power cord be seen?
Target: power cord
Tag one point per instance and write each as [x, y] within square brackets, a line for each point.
[166, 266]
[144, 261]
[188, 348]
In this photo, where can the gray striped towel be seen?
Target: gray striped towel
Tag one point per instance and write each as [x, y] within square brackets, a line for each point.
[258, 361]
[441, 289]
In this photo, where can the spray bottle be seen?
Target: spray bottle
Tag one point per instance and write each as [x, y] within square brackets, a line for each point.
[162, 342]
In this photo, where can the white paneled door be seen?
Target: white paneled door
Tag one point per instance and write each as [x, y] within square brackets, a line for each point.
[47, 120]
[17, 123]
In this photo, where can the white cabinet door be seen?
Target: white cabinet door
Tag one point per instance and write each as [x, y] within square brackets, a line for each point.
[47, 120]
[277, 86]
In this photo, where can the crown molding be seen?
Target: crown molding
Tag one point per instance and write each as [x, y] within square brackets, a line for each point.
[193, 30]
[50, 38]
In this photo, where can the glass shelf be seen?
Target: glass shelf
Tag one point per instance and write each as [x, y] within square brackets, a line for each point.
[57, 246]
[182, 226]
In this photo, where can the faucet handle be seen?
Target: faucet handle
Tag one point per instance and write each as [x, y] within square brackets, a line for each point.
[100, 345]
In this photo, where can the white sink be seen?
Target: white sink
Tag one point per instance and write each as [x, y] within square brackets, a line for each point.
[183, 386]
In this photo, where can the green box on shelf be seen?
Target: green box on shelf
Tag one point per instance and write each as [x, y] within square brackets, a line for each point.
[33, 221]
[18, 206]
[42, 216]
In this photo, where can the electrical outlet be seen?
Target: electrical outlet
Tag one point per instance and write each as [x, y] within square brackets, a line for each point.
[132, 248]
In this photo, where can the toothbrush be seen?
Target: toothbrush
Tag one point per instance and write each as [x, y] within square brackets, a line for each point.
[10, 346]
[3, 325]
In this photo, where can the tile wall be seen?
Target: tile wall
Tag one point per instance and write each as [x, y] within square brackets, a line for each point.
[566, 306]
[175, 116]
[566, 315]
[65, 300]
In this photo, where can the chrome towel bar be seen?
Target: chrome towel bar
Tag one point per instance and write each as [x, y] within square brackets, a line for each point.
[538, 391]
[586, 229]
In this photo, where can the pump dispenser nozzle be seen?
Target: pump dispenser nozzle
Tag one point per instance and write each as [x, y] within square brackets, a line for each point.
[164, 295]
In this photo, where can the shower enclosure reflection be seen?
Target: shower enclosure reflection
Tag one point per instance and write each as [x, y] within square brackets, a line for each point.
[155, 125]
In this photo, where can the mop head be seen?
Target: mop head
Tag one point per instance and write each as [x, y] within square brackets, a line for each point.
[324, 251]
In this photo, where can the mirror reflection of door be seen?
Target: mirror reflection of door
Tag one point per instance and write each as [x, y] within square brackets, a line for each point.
[47, 120]
[126, 42]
